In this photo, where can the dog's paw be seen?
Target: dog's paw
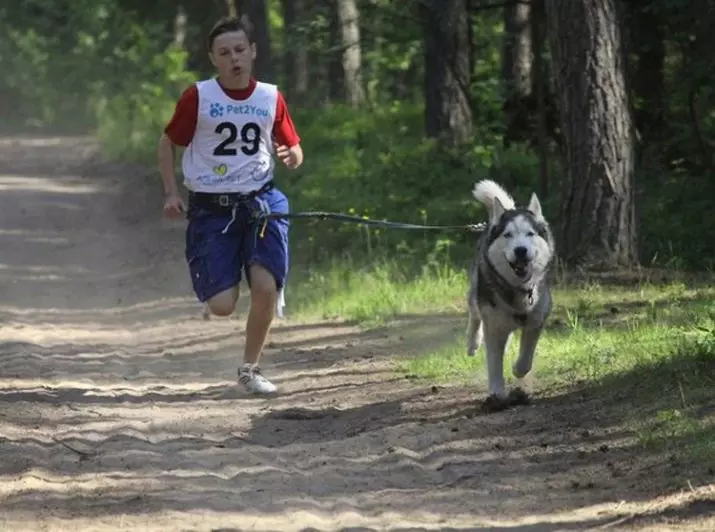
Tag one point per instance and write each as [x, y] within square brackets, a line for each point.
[473, 348]
[518, 397]
[495, 403]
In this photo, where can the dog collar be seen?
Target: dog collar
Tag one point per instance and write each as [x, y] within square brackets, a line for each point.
[504, 287]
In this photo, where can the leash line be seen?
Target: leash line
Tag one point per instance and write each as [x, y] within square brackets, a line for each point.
[320, 215]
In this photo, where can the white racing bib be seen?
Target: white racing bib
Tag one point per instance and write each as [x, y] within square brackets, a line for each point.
[232, 148]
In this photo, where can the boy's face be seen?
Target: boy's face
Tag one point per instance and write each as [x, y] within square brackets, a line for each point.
[232, 55]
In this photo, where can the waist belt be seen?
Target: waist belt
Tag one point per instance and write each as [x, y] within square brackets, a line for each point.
[227, 200]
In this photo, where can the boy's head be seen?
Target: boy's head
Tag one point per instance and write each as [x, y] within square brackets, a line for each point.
[232, 48]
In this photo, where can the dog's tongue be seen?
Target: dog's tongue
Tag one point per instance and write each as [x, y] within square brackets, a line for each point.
[521, 269]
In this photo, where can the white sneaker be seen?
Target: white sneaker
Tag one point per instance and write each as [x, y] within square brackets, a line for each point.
[254, 382]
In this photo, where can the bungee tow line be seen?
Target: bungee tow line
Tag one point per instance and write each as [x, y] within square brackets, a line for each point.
[320, 215]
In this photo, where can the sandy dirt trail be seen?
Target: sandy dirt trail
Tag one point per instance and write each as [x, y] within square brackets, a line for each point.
[119, 411]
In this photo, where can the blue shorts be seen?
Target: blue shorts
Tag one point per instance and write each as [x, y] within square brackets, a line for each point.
[218, 246]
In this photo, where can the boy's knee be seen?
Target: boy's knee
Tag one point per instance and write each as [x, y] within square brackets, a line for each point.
[224, 303]
[263, 284]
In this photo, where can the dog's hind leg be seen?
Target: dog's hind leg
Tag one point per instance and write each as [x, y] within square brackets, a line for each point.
[524, 362]
[475, 329]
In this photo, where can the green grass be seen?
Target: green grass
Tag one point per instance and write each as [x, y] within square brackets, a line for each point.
[374, 295]
[648, 347]
[595, 330]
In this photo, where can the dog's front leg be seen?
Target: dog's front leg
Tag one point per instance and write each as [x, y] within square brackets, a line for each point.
[496, 337]
[524, 362]
[527, 348]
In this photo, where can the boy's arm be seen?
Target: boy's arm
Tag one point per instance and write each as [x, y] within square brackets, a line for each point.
[166, 153]
[288, 142]
[178, 132]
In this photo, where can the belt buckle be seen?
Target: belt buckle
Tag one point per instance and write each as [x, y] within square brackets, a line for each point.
[224, 200]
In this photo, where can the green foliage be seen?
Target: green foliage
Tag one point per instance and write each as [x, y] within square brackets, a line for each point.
[674, 220]
[675, 179]
[112, 68]
[77, 64]
[131, 116]
[46, 63]
[377, 165]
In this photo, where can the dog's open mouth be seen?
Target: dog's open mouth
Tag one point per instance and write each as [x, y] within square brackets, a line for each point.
[522, 269]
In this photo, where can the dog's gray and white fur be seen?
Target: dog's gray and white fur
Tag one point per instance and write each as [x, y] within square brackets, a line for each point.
[508, 287]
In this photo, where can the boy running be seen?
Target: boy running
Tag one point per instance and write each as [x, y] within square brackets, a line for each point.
[228, 125]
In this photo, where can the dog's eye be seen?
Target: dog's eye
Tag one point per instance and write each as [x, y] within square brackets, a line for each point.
[531, 234]
[508, 234]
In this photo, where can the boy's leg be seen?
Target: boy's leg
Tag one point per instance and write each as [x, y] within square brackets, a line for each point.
[224, 302]
[267, 268]
[264, 294]
[214, 263]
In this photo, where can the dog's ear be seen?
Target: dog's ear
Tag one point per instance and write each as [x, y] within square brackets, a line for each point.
[535, 206]
[497, 210]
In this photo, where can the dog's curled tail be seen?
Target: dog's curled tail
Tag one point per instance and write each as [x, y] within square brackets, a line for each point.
[487, 191]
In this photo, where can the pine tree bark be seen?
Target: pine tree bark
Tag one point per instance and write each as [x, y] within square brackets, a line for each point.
[295, 60]
[336, 72]
[448, 115]
[180, 23]
[349, 19]
[541, 92]
[517, 71]
[599, 210]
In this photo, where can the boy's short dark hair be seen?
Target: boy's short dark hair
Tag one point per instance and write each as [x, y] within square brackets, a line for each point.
[228, 24]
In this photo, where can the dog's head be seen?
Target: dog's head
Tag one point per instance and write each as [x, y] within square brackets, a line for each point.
[519, 244]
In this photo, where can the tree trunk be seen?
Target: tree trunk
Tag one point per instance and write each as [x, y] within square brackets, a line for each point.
[646, 25]
[336, 72]
[349, 20]
[539, 78]
[257, 14]
[517, 71]
[448, 115]
[180, 23]
[296, 51]
[599, 209]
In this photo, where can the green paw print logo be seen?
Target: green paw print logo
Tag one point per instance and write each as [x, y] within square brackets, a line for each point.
[220, 169]
[216, 109]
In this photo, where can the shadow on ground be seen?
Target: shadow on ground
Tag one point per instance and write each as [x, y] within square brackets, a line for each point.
[427, 450]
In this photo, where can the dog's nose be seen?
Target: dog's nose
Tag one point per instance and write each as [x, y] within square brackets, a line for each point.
[520, 252]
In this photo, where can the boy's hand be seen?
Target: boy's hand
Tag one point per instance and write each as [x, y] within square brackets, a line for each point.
[292, 157]
[173, 206]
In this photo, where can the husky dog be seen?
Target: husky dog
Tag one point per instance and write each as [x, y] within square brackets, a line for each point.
[508, 288]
